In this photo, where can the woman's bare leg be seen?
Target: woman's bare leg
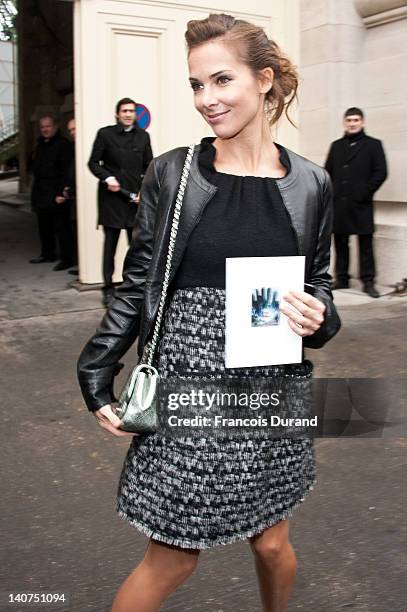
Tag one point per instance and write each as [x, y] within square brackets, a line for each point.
[275, 565]
[163, 569]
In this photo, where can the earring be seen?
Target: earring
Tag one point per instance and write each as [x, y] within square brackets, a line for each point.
[268, 109]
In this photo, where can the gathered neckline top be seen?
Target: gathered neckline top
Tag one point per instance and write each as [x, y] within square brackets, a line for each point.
[245, 218]
[207, 162]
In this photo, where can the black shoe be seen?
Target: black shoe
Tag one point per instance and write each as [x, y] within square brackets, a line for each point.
[62, 265]
[371, 290]
[42, 259]
[338, 284]
[74, 271]
[107, 296]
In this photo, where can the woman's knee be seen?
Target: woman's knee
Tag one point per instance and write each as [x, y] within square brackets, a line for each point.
[172, 562]
[185, 565]
[273, 543]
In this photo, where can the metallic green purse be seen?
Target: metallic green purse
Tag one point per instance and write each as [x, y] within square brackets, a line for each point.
[137, 405]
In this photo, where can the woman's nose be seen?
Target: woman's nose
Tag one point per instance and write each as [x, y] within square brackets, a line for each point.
[209, 99]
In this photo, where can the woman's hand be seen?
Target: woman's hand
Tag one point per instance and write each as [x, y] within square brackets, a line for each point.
[310, 315]
[110, 421]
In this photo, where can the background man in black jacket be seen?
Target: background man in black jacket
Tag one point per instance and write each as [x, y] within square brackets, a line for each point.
[120, 156]
[357, 166]
[51, 159]
[68, 195]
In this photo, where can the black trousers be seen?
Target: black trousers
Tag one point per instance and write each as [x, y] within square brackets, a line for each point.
[74, 242]
[63, 226]
[47, 231]
[366, 257]
[109, 250]
[74, 229]
[54, 228]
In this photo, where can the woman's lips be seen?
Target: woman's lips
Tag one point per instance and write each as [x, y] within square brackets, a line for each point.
[216, 117]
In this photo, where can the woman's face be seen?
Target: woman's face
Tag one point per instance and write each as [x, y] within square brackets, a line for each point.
[226, 93]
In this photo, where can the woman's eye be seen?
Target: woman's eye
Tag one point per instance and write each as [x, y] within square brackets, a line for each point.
[222, 80]
[196, 86]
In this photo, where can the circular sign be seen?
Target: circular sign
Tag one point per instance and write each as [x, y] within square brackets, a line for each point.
[143, 116]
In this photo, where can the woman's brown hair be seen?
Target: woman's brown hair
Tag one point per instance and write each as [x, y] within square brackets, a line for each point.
[256, 50]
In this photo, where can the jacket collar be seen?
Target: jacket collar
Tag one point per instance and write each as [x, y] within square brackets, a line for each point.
[353, 146]
[120, 129]
[287, 157]
[355, 137]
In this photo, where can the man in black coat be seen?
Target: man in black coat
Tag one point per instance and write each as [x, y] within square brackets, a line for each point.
[68, 194]
[357, 166]
[120, 156]
[51, 158]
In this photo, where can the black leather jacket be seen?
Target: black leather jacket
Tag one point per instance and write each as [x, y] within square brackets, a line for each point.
[306, 193]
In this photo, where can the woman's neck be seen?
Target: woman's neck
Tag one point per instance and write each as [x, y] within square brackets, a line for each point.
[249, 153]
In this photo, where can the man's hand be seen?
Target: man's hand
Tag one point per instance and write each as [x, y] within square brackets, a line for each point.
[310, 315]
[110, 421]
[60, 199]
[112, 184]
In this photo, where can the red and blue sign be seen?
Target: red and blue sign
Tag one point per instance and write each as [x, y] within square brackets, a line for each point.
[143, 116]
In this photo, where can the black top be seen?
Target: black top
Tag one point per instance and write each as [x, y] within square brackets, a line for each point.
[245, 218]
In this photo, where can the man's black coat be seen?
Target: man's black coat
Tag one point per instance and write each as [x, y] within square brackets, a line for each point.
[51, 159]
[70, 183]
[126, 156]
[357, 166]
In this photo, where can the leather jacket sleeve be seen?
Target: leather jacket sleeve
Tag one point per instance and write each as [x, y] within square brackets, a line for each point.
[99, 360]
[319, 280]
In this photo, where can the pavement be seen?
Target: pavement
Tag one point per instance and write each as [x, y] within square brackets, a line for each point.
[9, 193]
[59, 529]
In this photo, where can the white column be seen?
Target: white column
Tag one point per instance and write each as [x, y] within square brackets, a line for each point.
[332, 36]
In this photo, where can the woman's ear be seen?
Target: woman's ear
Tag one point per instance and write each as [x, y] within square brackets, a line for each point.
[265, 78]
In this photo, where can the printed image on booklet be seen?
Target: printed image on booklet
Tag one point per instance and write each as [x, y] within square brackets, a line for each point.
[257, 333]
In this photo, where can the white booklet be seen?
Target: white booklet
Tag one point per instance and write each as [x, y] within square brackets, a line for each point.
[257, 333]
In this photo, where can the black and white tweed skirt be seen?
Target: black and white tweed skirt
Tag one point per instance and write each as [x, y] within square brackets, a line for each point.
[200, 492]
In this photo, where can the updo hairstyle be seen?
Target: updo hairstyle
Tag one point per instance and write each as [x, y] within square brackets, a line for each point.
[257, 51]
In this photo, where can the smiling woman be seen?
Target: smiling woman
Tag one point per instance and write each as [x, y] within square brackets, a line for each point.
[239, 78]
[247, 44]
[245, 196]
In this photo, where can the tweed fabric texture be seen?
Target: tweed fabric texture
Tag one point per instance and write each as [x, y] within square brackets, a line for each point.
[200, 492]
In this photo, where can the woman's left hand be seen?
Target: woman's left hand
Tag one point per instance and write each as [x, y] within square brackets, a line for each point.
[310, 315]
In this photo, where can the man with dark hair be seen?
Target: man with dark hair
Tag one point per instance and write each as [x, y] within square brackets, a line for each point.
[51, 158]
[120, 156]
[357, 166]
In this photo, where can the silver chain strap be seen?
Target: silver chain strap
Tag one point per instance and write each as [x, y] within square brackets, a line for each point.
[174, 229]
